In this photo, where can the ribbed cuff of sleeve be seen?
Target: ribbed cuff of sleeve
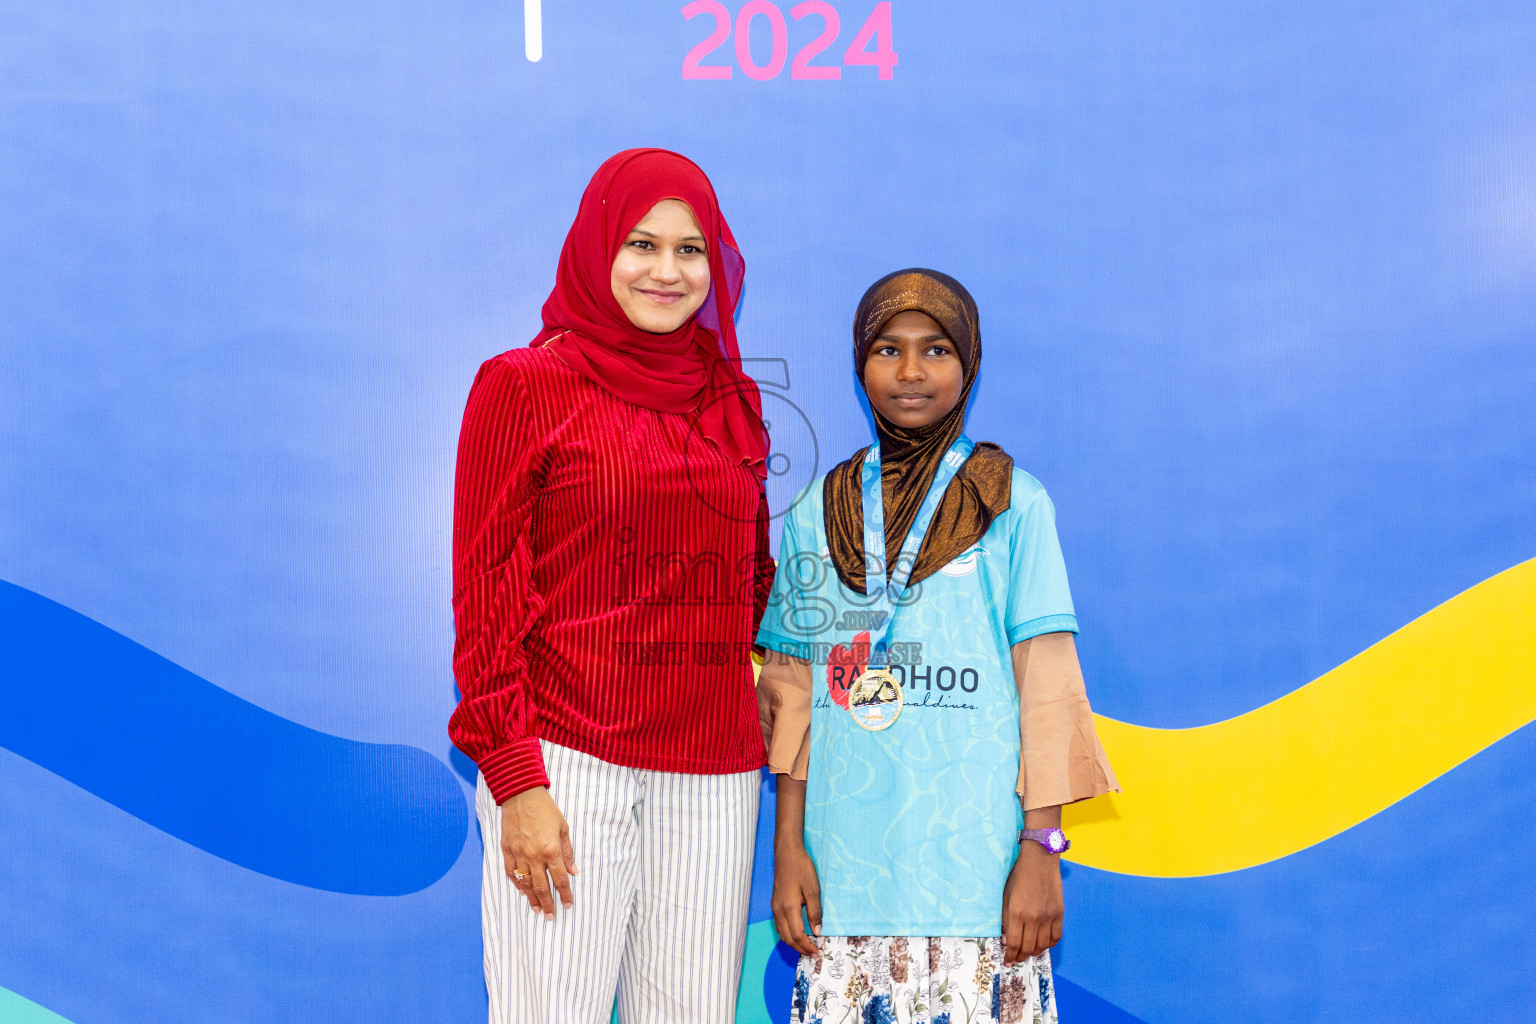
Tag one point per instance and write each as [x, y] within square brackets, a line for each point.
[514, 768]
[784, 645]
[1038, 627]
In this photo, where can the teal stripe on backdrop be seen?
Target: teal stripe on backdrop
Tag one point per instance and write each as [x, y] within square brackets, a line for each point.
[16, 1009]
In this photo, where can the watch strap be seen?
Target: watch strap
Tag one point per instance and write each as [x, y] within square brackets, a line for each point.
[1053, 839]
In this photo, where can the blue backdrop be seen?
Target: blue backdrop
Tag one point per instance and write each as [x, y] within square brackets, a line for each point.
[1258, 294]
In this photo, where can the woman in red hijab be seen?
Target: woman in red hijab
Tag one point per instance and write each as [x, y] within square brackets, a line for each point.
[610, 565]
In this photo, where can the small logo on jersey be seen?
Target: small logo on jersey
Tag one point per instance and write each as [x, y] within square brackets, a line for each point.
[963, 565]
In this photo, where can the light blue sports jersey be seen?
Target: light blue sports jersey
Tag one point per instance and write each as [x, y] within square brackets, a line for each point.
[913, 829]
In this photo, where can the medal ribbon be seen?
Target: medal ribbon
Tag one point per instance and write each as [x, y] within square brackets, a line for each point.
[893, 579]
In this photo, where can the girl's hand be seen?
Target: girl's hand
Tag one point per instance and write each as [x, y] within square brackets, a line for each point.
[536, 848]
[795, 885]
[1032, 904]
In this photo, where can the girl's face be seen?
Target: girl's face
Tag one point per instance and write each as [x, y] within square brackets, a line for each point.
[661, 274]
[913, 373]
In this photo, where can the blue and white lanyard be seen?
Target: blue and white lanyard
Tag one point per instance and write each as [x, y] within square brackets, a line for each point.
[886, 584]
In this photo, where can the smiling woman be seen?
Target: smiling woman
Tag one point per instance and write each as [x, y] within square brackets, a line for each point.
[661, 274]
[624, 436]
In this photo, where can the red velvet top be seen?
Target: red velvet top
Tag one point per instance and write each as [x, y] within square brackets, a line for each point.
[610, 567]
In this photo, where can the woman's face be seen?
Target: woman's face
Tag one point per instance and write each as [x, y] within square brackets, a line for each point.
[661, 274]
[913, 374]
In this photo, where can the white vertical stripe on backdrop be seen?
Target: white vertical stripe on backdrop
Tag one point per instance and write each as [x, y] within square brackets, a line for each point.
[533, 29]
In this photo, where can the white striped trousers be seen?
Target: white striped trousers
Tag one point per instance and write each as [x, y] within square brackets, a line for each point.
[660, 912]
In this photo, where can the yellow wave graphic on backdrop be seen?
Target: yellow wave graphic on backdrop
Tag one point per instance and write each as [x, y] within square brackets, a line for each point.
[1325, 757]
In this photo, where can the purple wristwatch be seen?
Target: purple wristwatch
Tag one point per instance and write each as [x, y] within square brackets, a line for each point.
[1053, 839]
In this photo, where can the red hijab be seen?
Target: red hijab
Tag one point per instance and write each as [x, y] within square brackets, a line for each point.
[696, 369]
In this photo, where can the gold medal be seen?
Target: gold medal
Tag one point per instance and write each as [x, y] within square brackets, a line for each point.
[875, 699]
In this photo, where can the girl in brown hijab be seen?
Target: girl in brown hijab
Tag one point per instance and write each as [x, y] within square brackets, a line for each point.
[921, 700]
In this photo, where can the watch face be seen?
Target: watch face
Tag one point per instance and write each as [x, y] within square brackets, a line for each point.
[1057, 841]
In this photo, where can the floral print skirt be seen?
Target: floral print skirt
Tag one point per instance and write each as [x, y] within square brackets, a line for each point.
[901, 980]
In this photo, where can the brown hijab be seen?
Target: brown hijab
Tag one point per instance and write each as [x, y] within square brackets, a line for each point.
[909, 458]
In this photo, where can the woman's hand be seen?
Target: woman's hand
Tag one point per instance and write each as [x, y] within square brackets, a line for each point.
[536, 847]
[1032, 901]
[795, 884]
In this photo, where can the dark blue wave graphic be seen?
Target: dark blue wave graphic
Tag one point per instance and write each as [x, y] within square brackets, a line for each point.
[1077, 1005]
[215, 771]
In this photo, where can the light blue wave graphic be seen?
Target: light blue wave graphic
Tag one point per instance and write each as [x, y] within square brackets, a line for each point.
[216, 771]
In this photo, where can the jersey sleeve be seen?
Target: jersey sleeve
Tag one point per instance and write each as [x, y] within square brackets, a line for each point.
[1039, 600]
[796, 582]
